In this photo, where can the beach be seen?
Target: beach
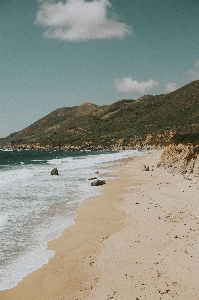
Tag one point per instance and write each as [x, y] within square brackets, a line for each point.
[138, 239]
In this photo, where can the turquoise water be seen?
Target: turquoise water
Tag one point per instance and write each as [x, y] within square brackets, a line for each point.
[36, 207]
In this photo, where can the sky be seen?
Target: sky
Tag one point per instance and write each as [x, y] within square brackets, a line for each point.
[56, 53]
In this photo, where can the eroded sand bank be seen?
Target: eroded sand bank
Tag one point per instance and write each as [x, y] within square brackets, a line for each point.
[138, 240]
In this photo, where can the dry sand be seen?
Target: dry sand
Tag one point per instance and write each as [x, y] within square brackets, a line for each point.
[138, 240]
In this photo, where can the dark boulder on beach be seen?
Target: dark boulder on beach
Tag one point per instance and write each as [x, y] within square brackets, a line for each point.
[98, 182]
[145, 168]
[92, 178]
[54, 171]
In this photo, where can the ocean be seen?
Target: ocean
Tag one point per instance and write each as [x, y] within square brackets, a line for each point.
[35, 207]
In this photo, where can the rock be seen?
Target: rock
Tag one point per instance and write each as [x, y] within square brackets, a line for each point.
[93, 178]
[145, 168]
[180, 159]
[98, 182]
[54, 171]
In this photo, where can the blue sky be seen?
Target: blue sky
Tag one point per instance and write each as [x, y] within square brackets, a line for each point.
[65, 53]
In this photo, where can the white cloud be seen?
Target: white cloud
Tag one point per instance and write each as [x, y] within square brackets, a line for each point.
[194, 73]
[170, 87]
[78, 20]
[127, 85]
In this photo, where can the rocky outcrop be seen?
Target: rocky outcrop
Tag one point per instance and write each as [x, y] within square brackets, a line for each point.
[98, 182]
[54, 171]
[180, 159]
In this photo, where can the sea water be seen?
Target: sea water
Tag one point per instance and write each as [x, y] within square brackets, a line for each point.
[36, 207]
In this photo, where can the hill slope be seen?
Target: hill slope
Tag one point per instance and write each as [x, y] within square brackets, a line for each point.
[126, 119]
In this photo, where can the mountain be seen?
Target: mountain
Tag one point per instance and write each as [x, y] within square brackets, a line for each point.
[155, 119]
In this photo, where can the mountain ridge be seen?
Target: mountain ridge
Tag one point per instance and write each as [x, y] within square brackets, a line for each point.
[127, 119]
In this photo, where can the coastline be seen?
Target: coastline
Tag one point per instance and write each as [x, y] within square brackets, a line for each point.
[129, 242]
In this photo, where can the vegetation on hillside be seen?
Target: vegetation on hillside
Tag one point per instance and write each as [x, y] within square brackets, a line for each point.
[126, 119]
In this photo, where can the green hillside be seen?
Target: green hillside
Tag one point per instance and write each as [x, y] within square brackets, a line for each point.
[101, 125]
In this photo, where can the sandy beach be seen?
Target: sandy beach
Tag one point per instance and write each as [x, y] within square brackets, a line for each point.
[139, 239]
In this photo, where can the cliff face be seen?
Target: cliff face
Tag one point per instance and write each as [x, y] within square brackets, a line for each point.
[180, 159]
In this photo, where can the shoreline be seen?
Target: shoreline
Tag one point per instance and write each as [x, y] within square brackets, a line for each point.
[12, 272]
[103, 172]
[108, 252]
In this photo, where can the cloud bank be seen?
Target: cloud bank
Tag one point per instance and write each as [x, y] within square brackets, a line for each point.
[78, 20]
[130, 86]
[170, 87]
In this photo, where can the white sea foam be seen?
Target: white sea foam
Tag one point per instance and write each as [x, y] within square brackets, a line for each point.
[3, 219]
[36, 207]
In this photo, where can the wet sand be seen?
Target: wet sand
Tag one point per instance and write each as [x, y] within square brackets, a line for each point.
[138, 239]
